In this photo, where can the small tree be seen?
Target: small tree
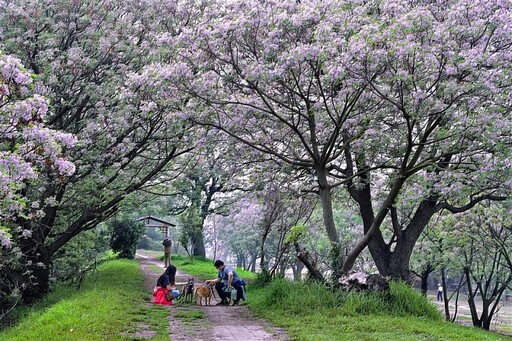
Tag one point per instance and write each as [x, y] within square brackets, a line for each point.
[125, 235]
[488, 261]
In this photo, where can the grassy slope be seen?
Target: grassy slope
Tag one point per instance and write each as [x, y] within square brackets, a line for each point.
[311, 312]
[315, 313]
[110, 303]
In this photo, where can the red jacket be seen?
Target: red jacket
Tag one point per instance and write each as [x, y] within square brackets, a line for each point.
[159, 296]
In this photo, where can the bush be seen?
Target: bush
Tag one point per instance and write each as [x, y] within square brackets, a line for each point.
[80, 255]
[125, 234]
[402, 300]
[263, 279]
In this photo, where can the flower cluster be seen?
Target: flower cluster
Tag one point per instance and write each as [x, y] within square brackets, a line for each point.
[27, 148]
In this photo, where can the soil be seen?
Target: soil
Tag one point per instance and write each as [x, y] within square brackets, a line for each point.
[191, 322]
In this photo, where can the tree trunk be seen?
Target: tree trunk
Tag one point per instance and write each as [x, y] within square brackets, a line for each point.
[424, 278]
[252, 265]
[198, 245]
[297, 270]
[263, 259]
[35, 276]
[445, 296]
[396, 263]
[324, 191]
[309, 263]
[471, 300]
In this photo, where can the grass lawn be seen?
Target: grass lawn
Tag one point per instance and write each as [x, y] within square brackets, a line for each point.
[203, 268]
[313, 312]
[112, 305]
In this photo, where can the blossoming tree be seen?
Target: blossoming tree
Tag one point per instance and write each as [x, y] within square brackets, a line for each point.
[30, 153]
[88, 58]
[405, 105]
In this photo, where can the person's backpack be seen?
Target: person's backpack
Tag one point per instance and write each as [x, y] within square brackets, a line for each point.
[169, 295]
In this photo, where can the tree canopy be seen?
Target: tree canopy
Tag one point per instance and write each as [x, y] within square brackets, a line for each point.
[393, 110]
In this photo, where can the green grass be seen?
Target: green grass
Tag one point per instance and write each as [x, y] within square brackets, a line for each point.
[113, 305]
[203, 268]
[110, 306]
[314, 312]
[196, 314]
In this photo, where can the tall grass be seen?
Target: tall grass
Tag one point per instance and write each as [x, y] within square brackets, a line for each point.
[400, 300]
[112, 305]
[294, 297]
[312, 311]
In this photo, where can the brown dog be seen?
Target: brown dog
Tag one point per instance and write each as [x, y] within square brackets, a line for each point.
[201, 292]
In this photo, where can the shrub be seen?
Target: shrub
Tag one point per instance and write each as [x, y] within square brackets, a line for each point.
[125, 234]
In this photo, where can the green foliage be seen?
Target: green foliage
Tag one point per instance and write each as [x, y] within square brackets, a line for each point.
[110, 306]
[81, 255]
[296, 233]
[192, 224]
[125, 235]
[401, 300]
[149, 244]
[336, 261]
[263, 278]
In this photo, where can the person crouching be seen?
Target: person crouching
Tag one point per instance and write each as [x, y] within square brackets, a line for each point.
[163, 293]
[227, 279]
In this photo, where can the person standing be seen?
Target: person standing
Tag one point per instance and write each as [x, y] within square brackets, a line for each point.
[167, 251]
[439, 292]
[227, 279]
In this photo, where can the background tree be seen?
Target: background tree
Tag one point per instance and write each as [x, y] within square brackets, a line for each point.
[438, 256]
[487, 261]
[125, 234]
[209, 180]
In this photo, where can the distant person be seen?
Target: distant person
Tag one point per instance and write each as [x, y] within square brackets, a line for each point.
[167, 251]
[227, 279]
[439, 292]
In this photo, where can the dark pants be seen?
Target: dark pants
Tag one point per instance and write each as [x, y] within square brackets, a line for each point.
[439, 295]
[225, 295]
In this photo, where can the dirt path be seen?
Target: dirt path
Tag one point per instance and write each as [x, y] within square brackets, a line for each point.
[189, 322]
